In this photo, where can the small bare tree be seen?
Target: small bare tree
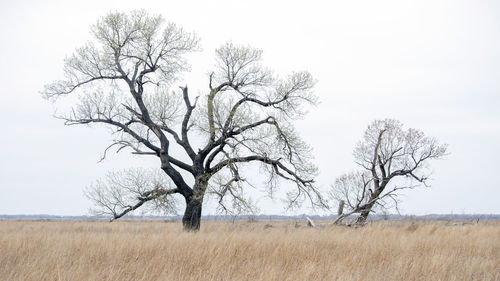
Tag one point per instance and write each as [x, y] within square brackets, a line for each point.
[391, 159]
[245, 116]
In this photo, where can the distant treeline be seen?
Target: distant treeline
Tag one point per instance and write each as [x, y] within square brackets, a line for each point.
[374, 217]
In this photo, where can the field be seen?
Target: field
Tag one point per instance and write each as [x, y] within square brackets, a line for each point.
[142, 250]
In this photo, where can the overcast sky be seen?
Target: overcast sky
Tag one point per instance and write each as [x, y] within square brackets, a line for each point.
[434, 65]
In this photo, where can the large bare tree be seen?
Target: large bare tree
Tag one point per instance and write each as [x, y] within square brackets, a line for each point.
[391, 159]
[244, 117]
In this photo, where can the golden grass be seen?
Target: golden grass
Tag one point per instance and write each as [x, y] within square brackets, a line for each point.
[247, 251]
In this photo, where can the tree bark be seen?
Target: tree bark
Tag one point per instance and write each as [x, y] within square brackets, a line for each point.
[366, 210]
[363, 216]
[192, 214]
[194, 201]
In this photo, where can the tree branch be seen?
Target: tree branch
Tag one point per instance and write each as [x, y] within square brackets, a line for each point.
[155, 194]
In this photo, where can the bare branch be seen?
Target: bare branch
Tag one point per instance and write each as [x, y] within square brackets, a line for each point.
[386, 152]
[120, 193]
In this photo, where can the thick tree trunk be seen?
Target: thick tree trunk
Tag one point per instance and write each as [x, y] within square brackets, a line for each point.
[192, 215]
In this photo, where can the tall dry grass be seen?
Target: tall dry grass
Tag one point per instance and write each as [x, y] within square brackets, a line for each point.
[247, 251]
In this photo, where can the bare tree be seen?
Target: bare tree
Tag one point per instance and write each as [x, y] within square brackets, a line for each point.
[149, 189]
[245, 116]
[391, 159]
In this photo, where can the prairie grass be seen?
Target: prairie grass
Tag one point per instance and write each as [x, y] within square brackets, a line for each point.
[141, 250]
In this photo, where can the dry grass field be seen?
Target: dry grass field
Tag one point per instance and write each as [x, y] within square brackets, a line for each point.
[142, 250]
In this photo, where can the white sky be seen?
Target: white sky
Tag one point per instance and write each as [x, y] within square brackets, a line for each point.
[434, 65]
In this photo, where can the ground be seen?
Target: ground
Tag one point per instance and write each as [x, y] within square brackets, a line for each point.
[157, 250]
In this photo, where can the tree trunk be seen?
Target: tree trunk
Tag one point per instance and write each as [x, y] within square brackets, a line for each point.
[366, 210]
[363, 216]
[373, 199]
[192, 215]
